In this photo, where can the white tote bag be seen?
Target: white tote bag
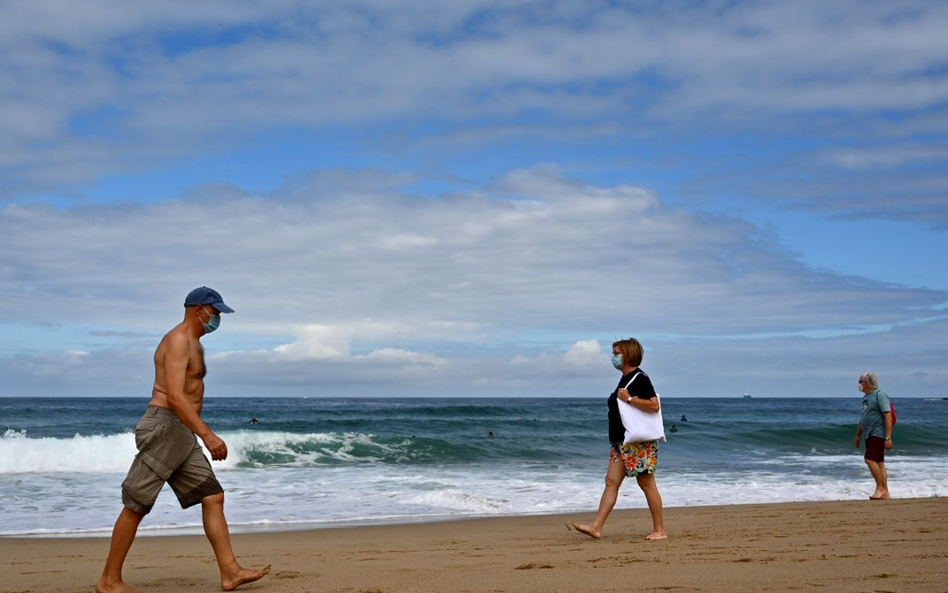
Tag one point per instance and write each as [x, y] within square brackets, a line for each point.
[641, 426]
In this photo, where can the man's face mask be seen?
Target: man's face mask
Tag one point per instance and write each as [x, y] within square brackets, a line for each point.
[213, 322]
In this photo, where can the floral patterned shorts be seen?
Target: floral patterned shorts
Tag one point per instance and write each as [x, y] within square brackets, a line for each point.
[638, 458]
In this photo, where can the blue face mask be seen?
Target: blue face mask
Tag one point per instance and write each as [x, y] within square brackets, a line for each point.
[213, 322]
[617, 361]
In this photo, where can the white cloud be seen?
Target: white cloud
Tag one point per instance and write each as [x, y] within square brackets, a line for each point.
[317, 341]
[408, 241]
[398, 356]
[889, 156]
[558, 254]
[584, 352]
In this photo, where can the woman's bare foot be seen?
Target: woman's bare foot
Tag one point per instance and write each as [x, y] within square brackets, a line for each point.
[118, 587]
[656, 535]
[588, 530]
[242, 577]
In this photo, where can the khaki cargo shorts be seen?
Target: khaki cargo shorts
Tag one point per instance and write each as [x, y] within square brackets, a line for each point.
[168, 452]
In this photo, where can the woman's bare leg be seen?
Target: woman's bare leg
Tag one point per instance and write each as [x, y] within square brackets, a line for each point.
[654, 500]
[614, 477]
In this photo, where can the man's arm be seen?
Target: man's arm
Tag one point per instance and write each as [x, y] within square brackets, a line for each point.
[887, 416]
[175, 365]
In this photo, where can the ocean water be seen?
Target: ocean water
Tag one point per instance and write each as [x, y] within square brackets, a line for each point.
[311, 463]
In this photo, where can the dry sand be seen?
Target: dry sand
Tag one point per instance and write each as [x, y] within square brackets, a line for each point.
[833, 547]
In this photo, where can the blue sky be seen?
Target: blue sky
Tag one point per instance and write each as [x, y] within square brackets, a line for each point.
[476, 198]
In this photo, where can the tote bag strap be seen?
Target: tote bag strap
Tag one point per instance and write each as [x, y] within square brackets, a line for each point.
[632, 379]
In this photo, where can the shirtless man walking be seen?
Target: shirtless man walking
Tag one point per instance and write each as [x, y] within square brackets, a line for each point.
[168, 450]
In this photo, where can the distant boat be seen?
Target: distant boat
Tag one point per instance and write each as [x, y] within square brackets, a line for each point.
[747, 395]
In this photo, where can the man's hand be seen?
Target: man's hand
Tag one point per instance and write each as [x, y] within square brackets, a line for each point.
[856, 442]
[216, 446]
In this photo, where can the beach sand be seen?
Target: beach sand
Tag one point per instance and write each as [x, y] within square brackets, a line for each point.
[857, 546]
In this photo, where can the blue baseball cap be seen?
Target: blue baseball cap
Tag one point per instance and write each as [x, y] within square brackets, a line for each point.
[207, 296]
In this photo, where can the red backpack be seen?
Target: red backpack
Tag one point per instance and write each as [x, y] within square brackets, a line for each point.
[891, 408]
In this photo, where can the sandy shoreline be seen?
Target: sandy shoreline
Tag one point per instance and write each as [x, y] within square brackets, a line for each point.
[858, 546]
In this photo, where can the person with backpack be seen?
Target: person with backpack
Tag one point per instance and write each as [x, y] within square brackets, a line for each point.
[875, 422]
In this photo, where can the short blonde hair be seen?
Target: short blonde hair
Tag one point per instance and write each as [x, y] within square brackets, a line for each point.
[870, 379]
[631, 351]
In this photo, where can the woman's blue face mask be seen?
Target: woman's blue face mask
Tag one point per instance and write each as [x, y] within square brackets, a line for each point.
[617, 361]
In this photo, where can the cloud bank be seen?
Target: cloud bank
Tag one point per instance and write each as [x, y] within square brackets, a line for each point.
[517, 288]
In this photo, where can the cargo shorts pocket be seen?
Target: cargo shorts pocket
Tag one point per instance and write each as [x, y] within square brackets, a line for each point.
[141, 486]
[162, 446]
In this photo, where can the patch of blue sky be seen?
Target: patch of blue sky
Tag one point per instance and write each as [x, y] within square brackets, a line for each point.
[101, 122]
[56, 200]
[903, 115]
[17, 337]
[495, 341]
[260, 165]
[496, 21]
[598, 161]
[63, 49]
[820, 333]
[938, 70]
[227, 340]
[480, 24]
[651, 77]
[187, 40]
[904, 253]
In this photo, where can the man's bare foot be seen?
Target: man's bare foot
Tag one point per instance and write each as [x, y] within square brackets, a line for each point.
[102, 586]
[879, 497]
[656, 535]
[242, 577]
[588, 530]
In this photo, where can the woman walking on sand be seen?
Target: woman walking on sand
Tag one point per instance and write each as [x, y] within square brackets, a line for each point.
[636, 460]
